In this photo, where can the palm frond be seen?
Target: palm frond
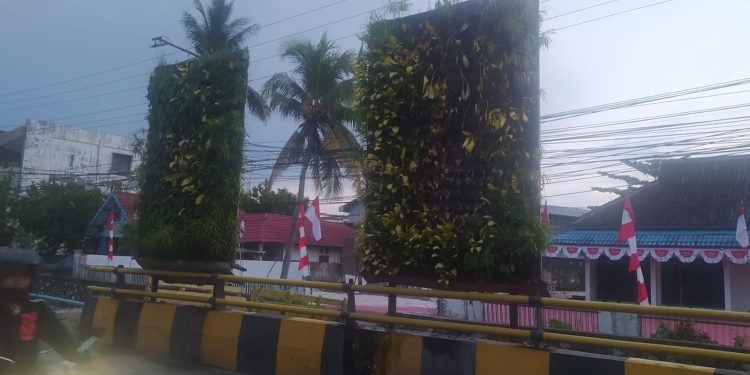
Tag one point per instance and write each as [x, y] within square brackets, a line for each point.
[217, 31]
[256, 105]
[292, 153]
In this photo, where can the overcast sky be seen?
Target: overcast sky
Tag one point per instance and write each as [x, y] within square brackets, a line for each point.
[676, 45]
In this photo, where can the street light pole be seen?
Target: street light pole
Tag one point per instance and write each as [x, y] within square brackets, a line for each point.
[161, 41]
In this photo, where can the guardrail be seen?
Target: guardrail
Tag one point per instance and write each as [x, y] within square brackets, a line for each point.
[350, 315]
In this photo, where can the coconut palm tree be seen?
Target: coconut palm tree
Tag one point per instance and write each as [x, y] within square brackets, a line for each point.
[318, 94]
[216, 32]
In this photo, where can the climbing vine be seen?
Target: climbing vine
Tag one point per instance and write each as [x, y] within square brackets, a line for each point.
[448, 103]
[193, 160]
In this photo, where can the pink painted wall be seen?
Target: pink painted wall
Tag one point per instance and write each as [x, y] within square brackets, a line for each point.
[580, 320]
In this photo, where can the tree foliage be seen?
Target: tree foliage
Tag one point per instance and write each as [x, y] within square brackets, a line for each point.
[318, 94]
[191, 172]
[216, 31]
[448, 103]
[262, 199]
[54, 215]
[8, 198]
[650, 168]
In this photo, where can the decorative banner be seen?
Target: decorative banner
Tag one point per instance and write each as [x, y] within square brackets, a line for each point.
[615, 253]
[662, 255]
[642, 254]
[594, 252]
[552, 250]
[686, 255]
[572, 251]
[711, 255]
[737, 256]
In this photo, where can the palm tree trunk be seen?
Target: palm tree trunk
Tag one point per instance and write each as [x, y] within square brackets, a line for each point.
[293, 225]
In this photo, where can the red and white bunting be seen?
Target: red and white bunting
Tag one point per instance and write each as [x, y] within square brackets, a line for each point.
[615, 253]
[304, 260]
[572, 251]
[594, 252]
[553, 251]
[711, 255]
[662, 255]
[627, 232]
[642, 254]
[686, 255]
[738, 256]
[111, 242]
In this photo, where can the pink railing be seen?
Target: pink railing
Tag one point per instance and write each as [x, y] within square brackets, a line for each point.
[579, 320]
[723, 333]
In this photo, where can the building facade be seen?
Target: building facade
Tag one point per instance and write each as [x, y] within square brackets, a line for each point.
[41, 151]
[685, 228]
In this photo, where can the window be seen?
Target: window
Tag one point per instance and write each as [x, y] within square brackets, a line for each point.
[695, 284]
[121, 164]
[323, 259]
[614, 282]
[564, 274]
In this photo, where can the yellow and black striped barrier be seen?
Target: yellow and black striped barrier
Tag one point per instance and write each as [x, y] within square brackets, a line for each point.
[244, 342]
[263, 344]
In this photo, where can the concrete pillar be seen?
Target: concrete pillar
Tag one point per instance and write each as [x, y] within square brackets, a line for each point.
[590, 279]
[727, 284]
[655, 275]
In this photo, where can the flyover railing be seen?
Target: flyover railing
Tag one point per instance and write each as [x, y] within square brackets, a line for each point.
[349, 315]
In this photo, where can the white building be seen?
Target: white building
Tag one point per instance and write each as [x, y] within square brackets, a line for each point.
[40, 151]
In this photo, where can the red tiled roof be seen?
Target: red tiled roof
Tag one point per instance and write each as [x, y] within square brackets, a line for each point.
[128, 201]
[274, 228]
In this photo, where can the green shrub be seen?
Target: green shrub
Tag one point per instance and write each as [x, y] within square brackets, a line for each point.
[557, 324]
[684, 330]
[191, 173]
[448, 103]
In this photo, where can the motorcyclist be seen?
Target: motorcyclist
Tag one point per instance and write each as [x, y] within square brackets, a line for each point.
[23, 321]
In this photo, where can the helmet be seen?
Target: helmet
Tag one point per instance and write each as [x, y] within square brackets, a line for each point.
[17, 262]
[11, 258]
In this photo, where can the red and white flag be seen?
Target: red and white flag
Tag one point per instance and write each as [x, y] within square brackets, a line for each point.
[545, 214]
[627, 232]
[741, 234]
[111, 244]
[304, 261]
[313, 214]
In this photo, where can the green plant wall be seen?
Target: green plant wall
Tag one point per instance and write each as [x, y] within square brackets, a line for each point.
[449, 106]
[191, 172]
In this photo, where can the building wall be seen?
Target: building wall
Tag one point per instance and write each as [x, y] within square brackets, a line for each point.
[739, 275]
[52, 151]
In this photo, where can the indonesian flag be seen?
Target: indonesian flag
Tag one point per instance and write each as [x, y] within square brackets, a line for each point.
[545, 214]
[627, 232]
[741, 234]
[304, 261]
[313, 214]
[242, 229]
[111, 244]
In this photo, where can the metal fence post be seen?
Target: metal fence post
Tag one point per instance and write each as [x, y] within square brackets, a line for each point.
[351, 305]
[119, 279]
[218, 292]
[513, 315]
[538, 332]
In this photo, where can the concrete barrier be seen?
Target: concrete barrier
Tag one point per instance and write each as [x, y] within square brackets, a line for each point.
[254, 343]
